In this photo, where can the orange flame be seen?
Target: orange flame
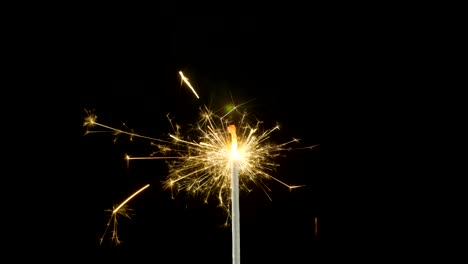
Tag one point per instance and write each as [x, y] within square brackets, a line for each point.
[232, 131]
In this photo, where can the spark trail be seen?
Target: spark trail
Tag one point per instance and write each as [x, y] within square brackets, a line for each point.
[121, 210]
[185, 80]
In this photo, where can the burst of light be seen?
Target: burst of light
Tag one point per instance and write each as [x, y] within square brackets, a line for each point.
[199, 162]
[205, 164]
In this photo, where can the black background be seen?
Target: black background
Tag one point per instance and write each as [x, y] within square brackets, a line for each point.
[140, 94]
[323, 79]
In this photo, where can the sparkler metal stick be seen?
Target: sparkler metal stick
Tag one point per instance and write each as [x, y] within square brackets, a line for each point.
[235, 210]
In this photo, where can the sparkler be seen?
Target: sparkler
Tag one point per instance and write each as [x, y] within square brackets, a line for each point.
[217, 160]
[202, 166]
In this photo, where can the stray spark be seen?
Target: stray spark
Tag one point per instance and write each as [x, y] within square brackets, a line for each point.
[90, 121]
[121, 210]
[129, 198]
[185, 80]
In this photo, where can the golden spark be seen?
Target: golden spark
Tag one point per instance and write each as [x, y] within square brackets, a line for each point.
[117, 210]
[185, 80]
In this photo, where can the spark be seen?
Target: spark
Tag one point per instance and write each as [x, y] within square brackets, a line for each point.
[185, 80]
[90, 121]
[129, 198]
[121, 210]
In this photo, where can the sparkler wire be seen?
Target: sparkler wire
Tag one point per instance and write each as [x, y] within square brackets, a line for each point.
[235, 214]
[235, 210]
